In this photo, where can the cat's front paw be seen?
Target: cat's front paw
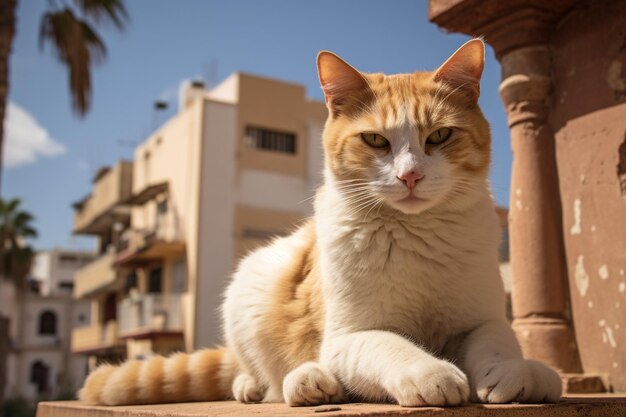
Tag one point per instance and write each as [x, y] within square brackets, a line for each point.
[311, 384]
[433, 384]
[246, 389]
[517, 380]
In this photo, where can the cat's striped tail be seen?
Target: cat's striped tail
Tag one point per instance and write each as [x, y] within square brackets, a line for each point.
[205, 375]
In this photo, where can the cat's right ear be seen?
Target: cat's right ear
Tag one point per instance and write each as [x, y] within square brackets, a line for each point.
[464, 68]
[338, 79]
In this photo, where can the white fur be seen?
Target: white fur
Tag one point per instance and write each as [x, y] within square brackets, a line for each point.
[415, 306]
[311, 384]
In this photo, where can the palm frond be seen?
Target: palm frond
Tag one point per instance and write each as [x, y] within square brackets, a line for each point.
[102, 11]
[28, 231]
[12, 205]
[15, 255]
[22, 218]
[77, 46]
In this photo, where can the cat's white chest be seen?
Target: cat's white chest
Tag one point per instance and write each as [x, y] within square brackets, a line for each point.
[415, 280]
[387, 277]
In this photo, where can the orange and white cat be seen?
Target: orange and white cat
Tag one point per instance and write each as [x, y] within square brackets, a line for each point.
[392, 291]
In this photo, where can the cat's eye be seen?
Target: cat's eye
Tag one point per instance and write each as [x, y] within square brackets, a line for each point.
[439, 136]
[375, 140]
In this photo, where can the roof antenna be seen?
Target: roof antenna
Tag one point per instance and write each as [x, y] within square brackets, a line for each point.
[159, 107]
[210, 73]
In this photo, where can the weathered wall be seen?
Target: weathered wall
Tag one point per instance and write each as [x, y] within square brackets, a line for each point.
[588, 114]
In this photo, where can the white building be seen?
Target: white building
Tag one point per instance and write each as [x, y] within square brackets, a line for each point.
[40, 364]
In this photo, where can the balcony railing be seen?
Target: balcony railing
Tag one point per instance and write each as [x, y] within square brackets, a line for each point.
[95, 276]
[141, 245]
[95, 337]
[150, 313]
[102, 208]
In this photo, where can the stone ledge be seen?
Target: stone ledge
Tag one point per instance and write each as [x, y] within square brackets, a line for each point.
[580, 405]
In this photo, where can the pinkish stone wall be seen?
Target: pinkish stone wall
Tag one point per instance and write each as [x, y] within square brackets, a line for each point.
[588, 115]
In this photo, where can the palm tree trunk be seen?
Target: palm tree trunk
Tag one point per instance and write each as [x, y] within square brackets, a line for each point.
[7, 31]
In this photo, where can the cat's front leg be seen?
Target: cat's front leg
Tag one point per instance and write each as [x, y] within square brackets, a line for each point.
[376, 365]
[499, 374]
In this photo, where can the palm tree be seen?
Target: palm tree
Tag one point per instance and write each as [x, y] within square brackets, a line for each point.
[15, 254]
[7, 31]
[69, 29]
[15, 259]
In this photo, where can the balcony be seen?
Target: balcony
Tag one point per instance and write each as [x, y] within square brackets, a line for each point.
[140, 246]
[147, 193]
[95, 338]
[96, 276]
[150, 314]
[106, 204]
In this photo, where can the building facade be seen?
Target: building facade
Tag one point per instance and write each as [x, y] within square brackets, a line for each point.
[40, 364]
[234, 167]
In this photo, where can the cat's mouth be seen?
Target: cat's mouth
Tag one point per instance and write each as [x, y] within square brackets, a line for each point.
[411, 199]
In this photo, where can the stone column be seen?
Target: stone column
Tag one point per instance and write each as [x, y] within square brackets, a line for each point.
[520, 33]
[539, 278]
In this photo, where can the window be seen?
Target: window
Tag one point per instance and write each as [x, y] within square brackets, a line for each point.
[66, 286]
[270, 140]
[110, 308]
[146, 167]
[73, 260]
[179, 277]
[162, 208]
[154, 281]
[48, 323]
[131, 281]
[161, 216]
[68, 259]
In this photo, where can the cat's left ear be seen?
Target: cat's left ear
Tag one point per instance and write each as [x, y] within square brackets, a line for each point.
[464, 68]
[338, 79]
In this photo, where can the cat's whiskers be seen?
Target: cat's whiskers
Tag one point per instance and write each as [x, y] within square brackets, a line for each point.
[382, 203]
[358, 209]
[351, 186]
[351, 202]
[378, 201]
[343, 189]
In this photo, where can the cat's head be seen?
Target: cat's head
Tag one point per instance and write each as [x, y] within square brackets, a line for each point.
[409, 141]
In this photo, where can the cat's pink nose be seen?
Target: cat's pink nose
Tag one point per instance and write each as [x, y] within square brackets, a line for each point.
[410, 178]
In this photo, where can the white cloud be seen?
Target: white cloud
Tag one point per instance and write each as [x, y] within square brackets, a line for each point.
[25, 139]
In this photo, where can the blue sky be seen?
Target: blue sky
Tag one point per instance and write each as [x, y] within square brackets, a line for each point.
[170, 41]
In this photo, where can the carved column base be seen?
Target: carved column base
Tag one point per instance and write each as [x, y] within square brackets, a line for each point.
[557, 346]
[585, 383]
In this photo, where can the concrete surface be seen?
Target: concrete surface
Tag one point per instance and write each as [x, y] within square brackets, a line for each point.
[609, 405]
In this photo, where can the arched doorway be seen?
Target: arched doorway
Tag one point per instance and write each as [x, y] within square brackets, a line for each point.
[40, 376]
